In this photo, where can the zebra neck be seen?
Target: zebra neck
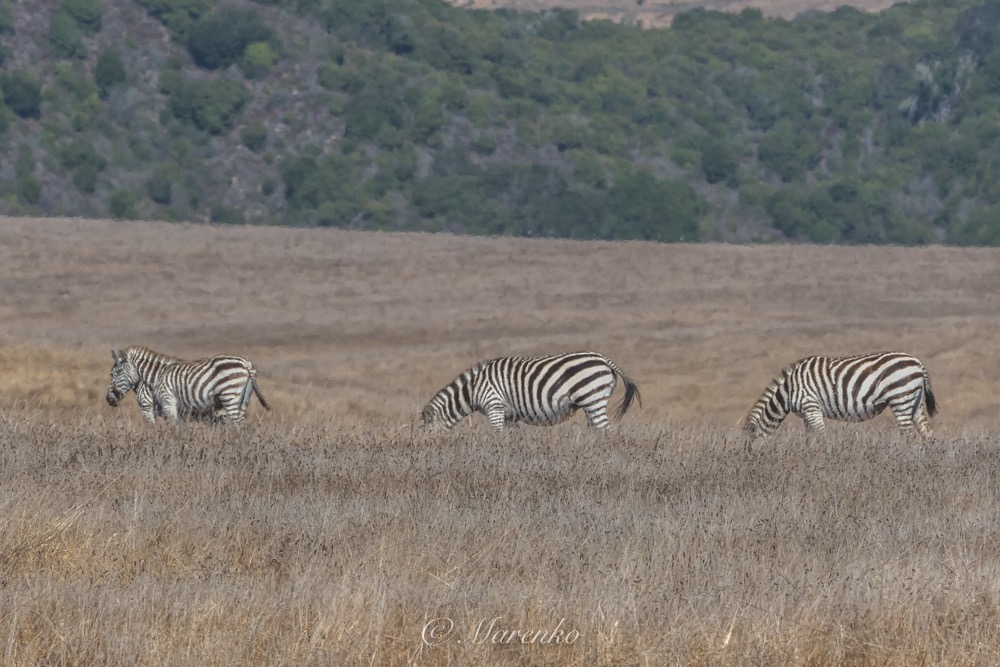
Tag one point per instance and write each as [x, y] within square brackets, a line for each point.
[150, 367]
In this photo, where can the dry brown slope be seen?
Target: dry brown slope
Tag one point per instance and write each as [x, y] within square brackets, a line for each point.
[364, 327]
[659, 13]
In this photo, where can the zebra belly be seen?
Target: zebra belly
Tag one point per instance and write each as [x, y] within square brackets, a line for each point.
[564, 411]
[863, 413]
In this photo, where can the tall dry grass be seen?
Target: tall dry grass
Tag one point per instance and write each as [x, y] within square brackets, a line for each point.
[319, 544]
[331, 532]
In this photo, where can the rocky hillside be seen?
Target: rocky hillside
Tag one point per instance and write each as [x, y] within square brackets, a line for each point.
[414, 114]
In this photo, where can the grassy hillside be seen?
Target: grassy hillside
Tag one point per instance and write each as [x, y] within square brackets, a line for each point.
[330, 530]
[417, 115]
[369, 325]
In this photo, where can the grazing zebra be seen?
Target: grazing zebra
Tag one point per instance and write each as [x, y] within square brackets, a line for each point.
[213, 389]
[847, 388]
[540, 391]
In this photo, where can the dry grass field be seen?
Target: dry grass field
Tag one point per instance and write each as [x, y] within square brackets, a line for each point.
[660, 13]
[332, 531]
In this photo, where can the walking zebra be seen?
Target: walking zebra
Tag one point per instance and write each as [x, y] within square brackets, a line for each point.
[847, 388]
[540, 391]
[213, 389]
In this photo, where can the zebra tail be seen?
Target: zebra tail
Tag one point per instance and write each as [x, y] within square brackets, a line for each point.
[256, 390]
[929, 396]
[631, 394]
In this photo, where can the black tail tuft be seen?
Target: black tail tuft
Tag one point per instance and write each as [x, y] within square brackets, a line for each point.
[929, 397]
[260, 396]
[631, 394]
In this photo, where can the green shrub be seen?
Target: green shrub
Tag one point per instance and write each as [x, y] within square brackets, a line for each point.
[6, 19]
[122, 204]
[85, 13]
[22, 92]
[159, 187]
[65, 37]
[226, 215]
[220, 39]
[208, 105]
[85, 177]
[177, 15]
[29, 190]
[258, 59]
[109, 72]
[84, 161]
[268, 186]
[254, 137]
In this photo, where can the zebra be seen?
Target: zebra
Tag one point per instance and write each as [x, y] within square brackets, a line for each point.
[213, 389]
[540, 391]
[852, 389]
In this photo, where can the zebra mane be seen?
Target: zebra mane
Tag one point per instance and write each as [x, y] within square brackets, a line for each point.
[141, 351]
[473, 372]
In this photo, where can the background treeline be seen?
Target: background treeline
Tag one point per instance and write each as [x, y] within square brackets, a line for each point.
[412, 114]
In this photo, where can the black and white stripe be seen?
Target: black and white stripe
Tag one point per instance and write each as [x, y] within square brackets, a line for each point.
[214, 389]
[540, 391]
[849, 389]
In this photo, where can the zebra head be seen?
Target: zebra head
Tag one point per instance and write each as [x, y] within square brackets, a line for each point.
[770, 409]
[439, 415]
[124, 377]
[452, 404]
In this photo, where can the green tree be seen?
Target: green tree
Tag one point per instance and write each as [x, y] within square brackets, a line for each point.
[221, 38]
[66, 37]
[226, 215]
[122, 204]
[109, 72]
[789, 150]
[85, 13]
[719, 160]
[177, 15]
[258, 59]
[655, 209]
[254, 137]
[210, 105]
[29, 187]
[159, 186]
[22, 92]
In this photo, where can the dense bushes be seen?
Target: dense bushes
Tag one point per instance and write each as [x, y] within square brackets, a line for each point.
[22, 92]
[413, 114]
[221, 39]
[210, 105]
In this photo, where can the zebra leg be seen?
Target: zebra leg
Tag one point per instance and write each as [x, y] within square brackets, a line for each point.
[813, 418]
[922, 423]
[597, 415]
[146, 403]
[909, 414]
[233, 409]
[497, 415]
[168, 404]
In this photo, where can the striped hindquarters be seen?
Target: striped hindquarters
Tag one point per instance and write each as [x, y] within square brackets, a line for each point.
[222, 383]
[853, 388]
[539, 391]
